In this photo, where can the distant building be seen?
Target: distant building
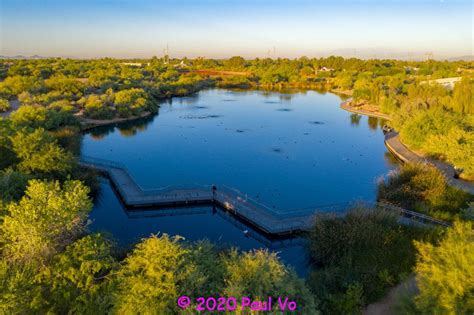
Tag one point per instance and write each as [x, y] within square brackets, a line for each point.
[134, 64]
[182, 64]
[411, 69]
[446, 82]
[325, 69]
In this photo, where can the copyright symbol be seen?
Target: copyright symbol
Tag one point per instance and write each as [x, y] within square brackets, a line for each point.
[184, 301]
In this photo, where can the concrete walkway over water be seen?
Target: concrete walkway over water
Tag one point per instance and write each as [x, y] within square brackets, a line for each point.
[257, 215]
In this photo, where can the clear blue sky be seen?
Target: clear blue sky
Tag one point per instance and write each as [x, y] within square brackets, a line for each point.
[143, 28]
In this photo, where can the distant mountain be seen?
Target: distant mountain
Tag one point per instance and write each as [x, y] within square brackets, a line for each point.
[463, 58]
[23, 57]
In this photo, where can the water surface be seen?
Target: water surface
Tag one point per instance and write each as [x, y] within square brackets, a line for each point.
[288, 151]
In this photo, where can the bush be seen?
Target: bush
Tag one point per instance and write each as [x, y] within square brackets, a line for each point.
[45, 220]
[32, 116]
[4, 105]
[96, 108]
[457, 147]
[259, 274]
[356, 258]
[12, 184]
[150, 277]
[29, 116]
[40, 154]
[445, 273]
[131, 102]
[73, 282]
[423, 188]
[162, 268]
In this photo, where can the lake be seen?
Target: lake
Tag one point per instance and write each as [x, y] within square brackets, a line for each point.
[286, 150]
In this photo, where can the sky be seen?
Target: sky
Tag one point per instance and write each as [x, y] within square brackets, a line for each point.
[219, 29]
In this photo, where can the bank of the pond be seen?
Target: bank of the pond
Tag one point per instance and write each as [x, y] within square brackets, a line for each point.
[347, 106]
[404, 154]
[89, 123]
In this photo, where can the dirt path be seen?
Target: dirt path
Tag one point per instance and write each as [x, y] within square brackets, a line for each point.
[14, 104]
[386, 305]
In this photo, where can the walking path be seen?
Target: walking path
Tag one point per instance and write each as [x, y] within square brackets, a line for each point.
[405, 155]
[386, 306]
[396, 147]
[14, 105]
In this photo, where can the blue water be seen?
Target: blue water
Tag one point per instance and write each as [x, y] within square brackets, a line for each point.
[129, 227]
[288, 151]
[285, 150]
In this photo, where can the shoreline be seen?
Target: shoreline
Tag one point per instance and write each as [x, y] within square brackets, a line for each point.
[400, 151]
[345, 105]
[89, 123]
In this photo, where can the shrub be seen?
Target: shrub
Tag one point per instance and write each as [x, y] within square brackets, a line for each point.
[259, 274]
[149, 278]
[74, 280]
[30, 116]
[132, 101]
[12, 184]
[4, 105]
[423, 188]
[356, 258]
[445, 272]
[39, 153]
[45, 220]
[96, 108]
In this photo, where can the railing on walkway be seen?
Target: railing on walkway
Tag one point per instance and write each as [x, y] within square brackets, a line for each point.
[272, 221]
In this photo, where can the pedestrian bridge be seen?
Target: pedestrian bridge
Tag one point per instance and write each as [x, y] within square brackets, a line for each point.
[259, 216]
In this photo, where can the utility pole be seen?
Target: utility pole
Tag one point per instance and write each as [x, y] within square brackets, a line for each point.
[166, 54]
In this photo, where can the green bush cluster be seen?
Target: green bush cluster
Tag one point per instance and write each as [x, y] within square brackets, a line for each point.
[4, 105]
[423, 188]
[356, 258]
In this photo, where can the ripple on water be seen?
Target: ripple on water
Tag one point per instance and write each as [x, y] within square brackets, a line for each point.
[200, 117]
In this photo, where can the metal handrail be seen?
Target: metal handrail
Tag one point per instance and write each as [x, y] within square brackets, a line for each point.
[232, 198]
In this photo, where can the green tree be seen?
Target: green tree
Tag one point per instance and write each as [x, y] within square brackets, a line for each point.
[235, 63]
[4, 105]
[39, 153]
[259, 274]
[14, 85]
[65, 85]
[44, 221]
[457, 147]
[353, 257]
[445, 272]
[149, 279]
[30, 116]
[423, 188]
[76, 280]
[12, 184]
[463, 99]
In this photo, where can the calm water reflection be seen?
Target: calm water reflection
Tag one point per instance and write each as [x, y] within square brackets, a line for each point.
[288, 151]
[285, 150]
